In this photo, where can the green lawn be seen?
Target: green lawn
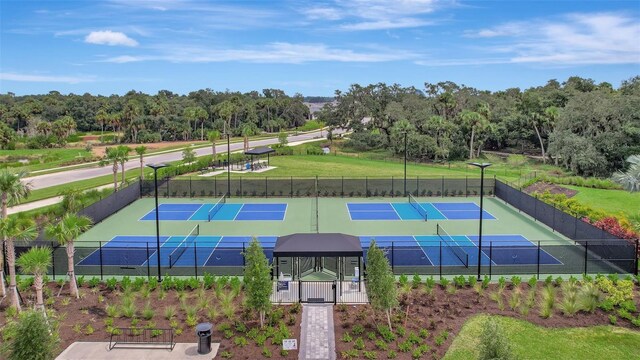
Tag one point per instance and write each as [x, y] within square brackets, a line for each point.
[47, 158]
[350, 166]
[529, 341]
[612, 201]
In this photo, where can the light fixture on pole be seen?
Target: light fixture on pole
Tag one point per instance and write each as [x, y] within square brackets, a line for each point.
[405, 163]
[155, 168]
[228, 164]
[482, 166]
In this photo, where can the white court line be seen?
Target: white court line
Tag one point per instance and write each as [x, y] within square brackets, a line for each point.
[424, 252]
[198, 209]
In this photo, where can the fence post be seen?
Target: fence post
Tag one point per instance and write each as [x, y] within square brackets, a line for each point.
[342, 187]
[392, 258]
[195, 258]
[299, 288]
[635, 256]
[53, 260]
[418, 185]
[190, 188]
[243, 261]
[392, 190]
[148, 264]
[575, 226]
[490, 258]
[553, 224]
[442, 189]
[335, 295]
[586, 261]
[440, 258]
[535, 208]
[291, 183]
[266, 187]
[100, 247]
[538, 261]
[215, 187]
[240, 186]
[466, 186]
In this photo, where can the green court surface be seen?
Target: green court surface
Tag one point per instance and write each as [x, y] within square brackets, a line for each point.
[333, 216]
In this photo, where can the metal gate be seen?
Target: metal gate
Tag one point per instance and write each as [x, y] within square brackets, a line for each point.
[317, 291]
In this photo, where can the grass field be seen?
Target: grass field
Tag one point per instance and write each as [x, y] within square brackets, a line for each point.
[612, 201]
[529, 341]
[48, 158]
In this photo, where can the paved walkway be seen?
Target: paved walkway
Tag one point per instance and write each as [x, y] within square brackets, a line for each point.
[45, 202]
[317, 338]
[100, 351]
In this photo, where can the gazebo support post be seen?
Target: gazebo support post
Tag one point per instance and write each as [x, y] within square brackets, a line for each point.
[268, 160]
[277, 269]
[359, 274]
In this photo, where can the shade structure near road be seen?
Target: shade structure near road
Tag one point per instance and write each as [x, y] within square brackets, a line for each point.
[259, 151]
[312, 244]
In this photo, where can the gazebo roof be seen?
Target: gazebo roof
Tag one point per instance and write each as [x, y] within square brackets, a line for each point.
[260, 150]
[311, 244]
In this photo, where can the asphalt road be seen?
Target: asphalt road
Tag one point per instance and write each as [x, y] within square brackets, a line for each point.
[64, 177]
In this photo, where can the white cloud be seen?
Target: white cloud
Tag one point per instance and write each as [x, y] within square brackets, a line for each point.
[45, 78]
[375, 14]
[573, 39]
[279, 52]
[111, 38]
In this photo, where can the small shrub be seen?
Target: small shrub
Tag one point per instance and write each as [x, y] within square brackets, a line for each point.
[430, 282]
[414, 339]
[88, 330]
[532, 282]
[400, 331]
[416, 281]
[404, 346]
[459, 281]
[94, 282]
[613, 319]
[502, 282]
[266, 352]
[148, 312]
[423, 333]
[346, 337]
[240, 341]
[350, 354]
[226, 355]
[485, 282]
[370, 355]
[392, 354]
[444, 282]
[381, 345]
[33, 337]
[403, 280]
[111, 283]
[386, 333]
[471, 280]
[494, 343]
[516, 281]
[359, 344]
[357, 330]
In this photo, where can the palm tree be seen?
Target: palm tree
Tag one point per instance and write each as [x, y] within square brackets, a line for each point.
[630, 180]
[141, 150]
[65, 232]
[123, 157]
[15, 229]
[476, 123]
[111, 156]
[12, 190]
[247, 130]
[36, 261]
[213, 136]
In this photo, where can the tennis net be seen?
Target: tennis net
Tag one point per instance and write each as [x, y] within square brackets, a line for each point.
[453, 245]
[416, 205]
[214, 210]
[184, 244]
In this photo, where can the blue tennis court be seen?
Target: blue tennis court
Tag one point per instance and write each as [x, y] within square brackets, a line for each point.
[408, 211]
[218, 212]
[176, 251]
[458, 250]
[402, 250]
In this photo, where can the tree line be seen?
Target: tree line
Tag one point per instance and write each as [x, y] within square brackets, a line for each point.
[139, 117]
[585, 127]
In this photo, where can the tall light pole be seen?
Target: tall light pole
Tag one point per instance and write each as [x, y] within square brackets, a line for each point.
[482, 166]
[228, 164]
[155, 168]
[405, 163]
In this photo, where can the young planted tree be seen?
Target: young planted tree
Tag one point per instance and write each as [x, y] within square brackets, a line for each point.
[257, 279]
[282, 138]
[123, 157]
[15, 229]
[36, 261]
[247, 130]
[381, 283]
[494, 344]
[65, 232]
[33, 337]
[111, 157]
[12, 190]
[141, 150]
[188, 155]
[213, 136]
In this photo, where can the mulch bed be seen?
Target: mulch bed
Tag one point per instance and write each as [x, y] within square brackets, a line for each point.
[90, 311]
[541, 187]
[443, 312]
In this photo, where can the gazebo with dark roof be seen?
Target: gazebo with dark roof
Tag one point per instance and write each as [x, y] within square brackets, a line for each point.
[259, 151]
[317, 246]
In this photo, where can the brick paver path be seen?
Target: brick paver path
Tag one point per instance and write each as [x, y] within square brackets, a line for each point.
[317, 338]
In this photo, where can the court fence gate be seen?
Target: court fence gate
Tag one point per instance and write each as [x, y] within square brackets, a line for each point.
[318, 291]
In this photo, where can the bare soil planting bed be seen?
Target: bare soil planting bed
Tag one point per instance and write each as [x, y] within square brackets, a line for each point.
[435, 319]
[87, 318]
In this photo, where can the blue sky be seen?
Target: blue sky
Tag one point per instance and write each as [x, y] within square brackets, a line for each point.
[311, 47]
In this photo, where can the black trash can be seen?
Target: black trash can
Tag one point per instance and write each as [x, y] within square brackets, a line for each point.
[203, 331]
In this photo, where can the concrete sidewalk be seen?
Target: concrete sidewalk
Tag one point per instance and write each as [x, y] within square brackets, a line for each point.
[44, 202]
[100, 351]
